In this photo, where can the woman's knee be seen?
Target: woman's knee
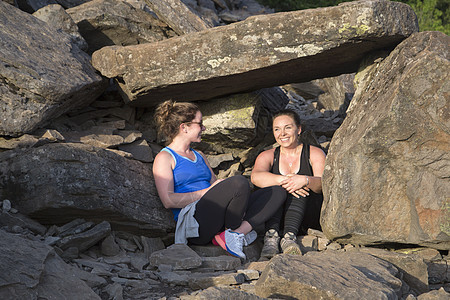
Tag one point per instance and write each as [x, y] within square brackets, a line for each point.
[239, 182]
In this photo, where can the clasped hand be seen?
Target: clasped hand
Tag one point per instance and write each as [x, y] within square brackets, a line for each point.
[295, 185]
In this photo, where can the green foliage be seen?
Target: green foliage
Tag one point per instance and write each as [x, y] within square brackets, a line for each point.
[430, 15]
[433, 15]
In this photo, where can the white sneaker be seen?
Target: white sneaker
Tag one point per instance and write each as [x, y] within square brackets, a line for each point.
[250, 237]
[234, 243]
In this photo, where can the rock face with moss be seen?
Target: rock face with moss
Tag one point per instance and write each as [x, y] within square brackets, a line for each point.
[390, 157]
[262, 51]
[241, 120]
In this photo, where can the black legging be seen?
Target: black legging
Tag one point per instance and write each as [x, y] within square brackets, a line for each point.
[299, 213]
[229, 203]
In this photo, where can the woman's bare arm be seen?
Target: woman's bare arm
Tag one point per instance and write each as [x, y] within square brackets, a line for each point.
[163, 174]
[261, 175]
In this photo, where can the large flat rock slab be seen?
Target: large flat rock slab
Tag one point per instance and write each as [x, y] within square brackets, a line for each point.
[56, 183]
[332, 276]
[262, 51]
[42, 73]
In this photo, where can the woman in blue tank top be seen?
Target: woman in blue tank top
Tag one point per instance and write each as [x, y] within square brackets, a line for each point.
[206, 209]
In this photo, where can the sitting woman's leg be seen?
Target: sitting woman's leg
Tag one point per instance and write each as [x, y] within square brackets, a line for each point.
[268, 203]
[295, 210]
[264, 205]
[223, 206]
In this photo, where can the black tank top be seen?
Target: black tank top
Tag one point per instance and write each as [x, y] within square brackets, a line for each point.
[312, 215]
[305, 166]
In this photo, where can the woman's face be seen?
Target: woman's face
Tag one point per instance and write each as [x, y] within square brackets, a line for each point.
[196, 127]
[285, 131]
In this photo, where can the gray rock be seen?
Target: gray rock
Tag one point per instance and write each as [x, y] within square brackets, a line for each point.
[220, 293]
[37, 86]
[32, 270]
[337, 92]
[249, 274]
[60, 182]
[221, 263]
[413, 267]
[208, 250]
[440, 294]
[151, 245]
[241, 120]
[332, 275]
[390, 156]
[10, 220]
[216, 160]
[94, 265]
[179, 256]
[138, 260]
[6, 206]
[110, 22]
[256, 53]
[139, 149]
[56, 16]
[97, 136]
[24, 141]
[199, 281]
[109, 246]
[438, 271]
[178, 16]
[87, 239]
[31, 6]
[115, 291]
[77, 229]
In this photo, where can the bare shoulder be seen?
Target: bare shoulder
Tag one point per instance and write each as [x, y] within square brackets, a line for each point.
[316, 152]
[267, 154]
[264, 160]
[163, 157]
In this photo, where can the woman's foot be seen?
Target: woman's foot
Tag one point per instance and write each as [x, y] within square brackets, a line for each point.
[250, 237]
[289, 244]
[232, 242]
[271, 241]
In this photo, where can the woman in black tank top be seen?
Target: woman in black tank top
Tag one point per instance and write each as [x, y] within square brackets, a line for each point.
[297, 168]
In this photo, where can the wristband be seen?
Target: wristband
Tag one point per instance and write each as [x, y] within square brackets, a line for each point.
[307, 181]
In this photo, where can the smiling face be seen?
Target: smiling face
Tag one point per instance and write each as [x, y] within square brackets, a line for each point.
[285, 131]
[196, 127]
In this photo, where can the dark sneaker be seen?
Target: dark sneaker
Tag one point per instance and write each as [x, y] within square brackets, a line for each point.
[271, 241]
[289, 244]
[250, 237]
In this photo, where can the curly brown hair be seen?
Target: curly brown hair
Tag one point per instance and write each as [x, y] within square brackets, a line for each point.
[170, 114]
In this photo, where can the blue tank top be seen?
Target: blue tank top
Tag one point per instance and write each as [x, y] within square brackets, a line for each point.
[189, 175]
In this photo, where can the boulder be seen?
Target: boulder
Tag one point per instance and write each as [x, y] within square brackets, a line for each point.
[219, 293]
[329, 275]
[178, 16]
[243, 119]
[386, 175]
[32, 270]
[57, 183]
[30, 6]
[115, 22]
[56, 16]
[261, 51]
[338, 91]
[413, 267]
[177, 256]
[36, 84]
